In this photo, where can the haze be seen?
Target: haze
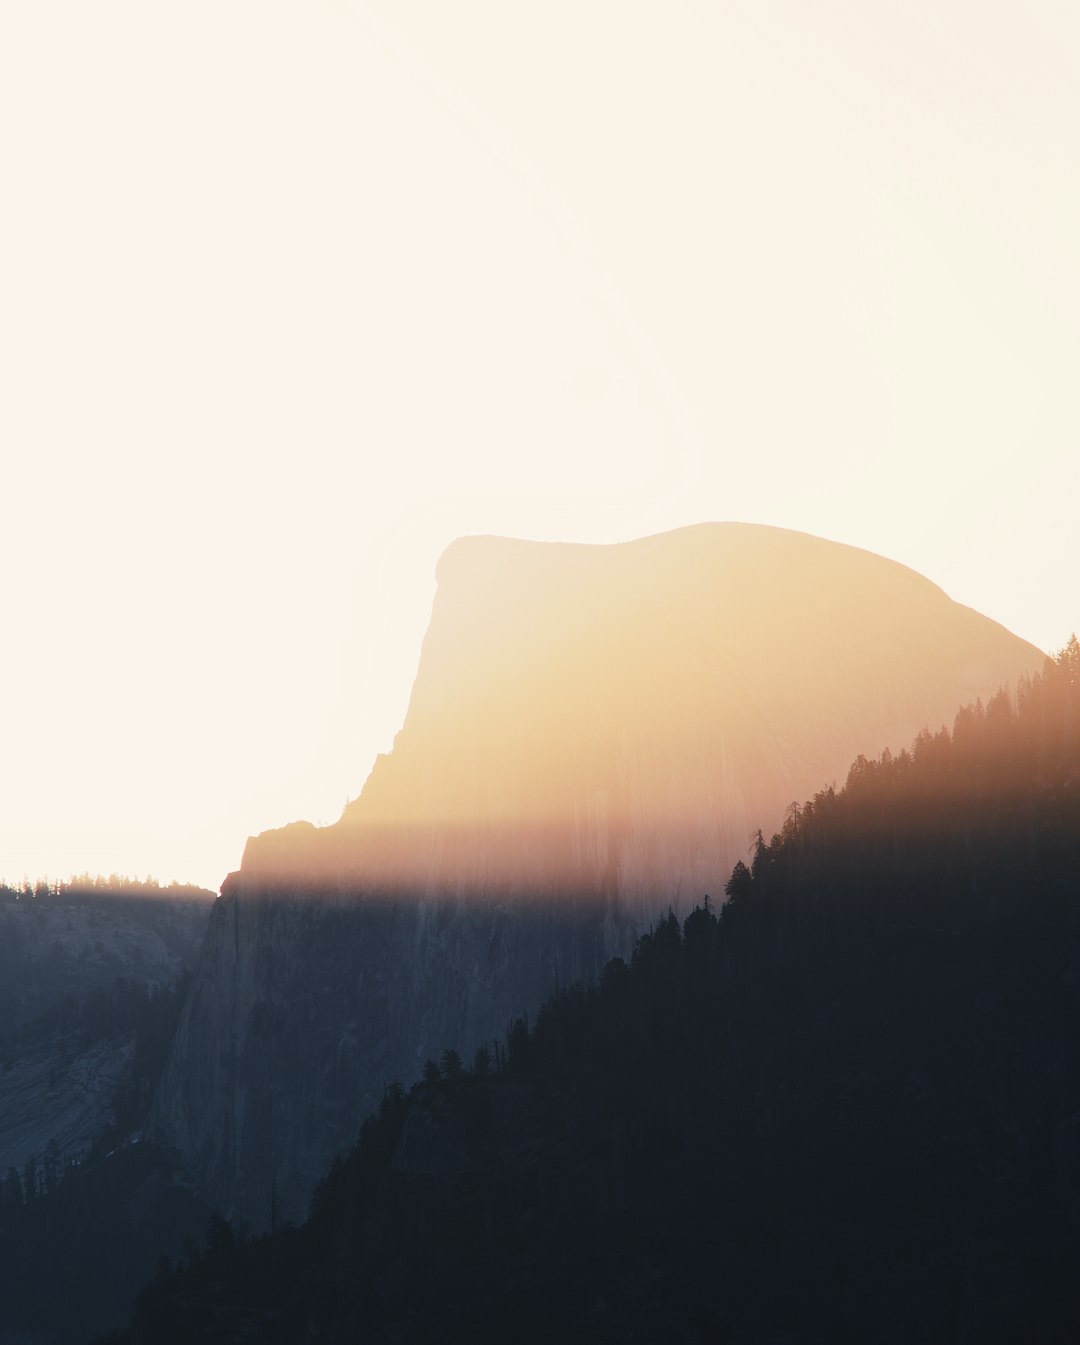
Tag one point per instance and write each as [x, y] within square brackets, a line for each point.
[294, 295]
[599, 724]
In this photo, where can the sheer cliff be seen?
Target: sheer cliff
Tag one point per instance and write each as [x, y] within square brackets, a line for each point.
[594, 732]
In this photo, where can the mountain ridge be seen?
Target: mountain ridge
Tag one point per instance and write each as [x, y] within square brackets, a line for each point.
[526, 632]
[842, 1107]
[593, 734]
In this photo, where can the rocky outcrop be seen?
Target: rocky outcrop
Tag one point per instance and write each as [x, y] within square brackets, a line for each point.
[308, 1003]
[50, 1096]
[594, 733]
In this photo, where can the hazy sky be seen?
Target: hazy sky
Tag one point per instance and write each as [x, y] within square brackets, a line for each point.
[292, 294]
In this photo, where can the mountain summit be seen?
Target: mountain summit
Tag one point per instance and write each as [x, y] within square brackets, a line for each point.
[617, 720]
[594, 734]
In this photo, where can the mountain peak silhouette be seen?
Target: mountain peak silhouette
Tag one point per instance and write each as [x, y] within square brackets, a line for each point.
[615, 720]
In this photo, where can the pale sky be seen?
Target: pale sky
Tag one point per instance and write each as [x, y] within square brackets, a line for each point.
[292, 294]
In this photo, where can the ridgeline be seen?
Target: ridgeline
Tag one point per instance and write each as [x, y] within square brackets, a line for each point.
[844, 1108]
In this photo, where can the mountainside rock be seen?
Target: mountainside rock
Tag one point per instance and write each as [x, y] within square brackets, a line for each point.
[624, 717]
[64, 1051]
[594, 732]
[49, 1096]
[58, 946]
[308, 1004]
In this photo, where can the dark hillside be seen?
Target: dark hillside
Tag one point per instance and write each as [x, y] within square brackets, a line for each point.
[91, 973]
[92, 977]
[593, 732]
[846, 1110]
[63, 939]
[89, 1206]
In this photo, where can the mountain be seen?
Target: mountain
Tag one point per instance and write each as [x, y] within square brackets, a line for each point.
[620, 719]
[848, 1109]
[66, 1044]
[92, 977]
[594, 732]
[80, 936]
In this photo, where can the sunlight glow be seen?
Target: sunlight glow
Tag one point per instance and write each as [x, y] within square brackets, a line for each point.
[294, 295]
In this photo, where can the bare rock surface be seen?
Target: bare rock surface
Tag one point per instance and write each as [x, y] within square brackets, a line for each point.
[49, 1096]
[594, 733]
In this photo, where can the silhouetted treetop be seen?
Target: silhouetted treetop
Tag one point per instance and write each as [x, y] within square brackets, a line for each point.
[845, 1109]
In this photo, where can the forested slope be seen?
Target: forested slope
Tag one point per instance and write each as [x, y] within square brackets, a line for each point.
[848, 1109]
[593, 733]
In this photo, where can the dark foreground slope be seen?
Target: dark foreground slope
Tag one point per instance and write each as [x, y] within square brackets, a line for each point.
[592, 729]
[848, 1110]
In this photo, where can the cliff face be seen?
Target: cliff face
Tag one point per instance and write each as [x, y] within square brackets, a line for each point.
[309, 1002]
[594, 733]
[626, 716]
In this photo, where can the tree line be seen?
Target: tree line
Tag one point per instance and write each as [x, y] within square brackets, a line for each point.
[843, 1107]
[86, 886]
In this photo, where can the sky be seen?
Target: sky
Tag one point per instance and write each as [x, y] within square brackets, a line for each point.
[293, 294]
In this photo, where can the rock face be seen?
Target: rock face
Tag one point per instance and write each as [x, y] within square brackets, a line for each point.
[595, 732]
[308, 1004]
[57, 1083]
[49, 1096]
